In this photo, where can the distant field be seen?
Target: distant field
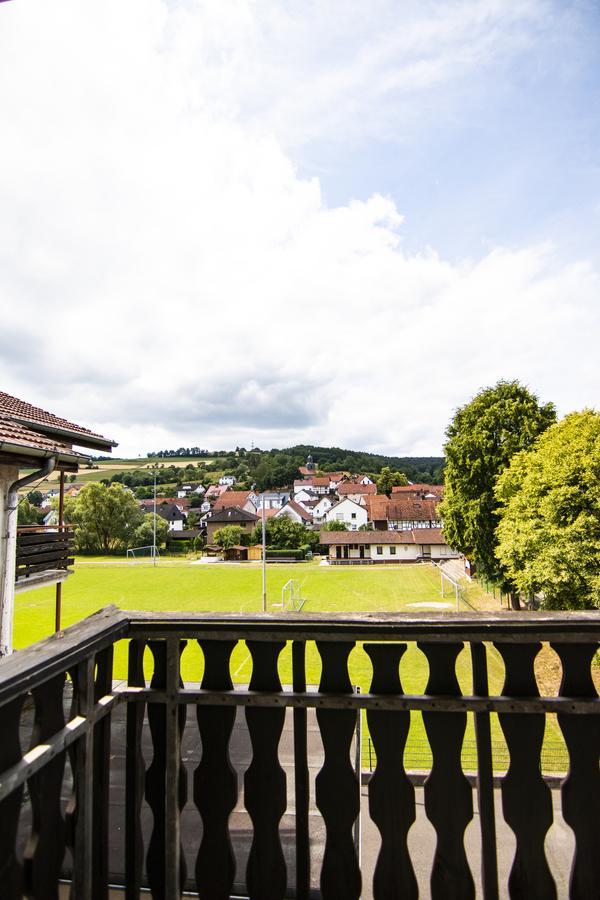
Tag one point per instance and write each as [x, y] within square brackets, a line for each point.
[178, 585]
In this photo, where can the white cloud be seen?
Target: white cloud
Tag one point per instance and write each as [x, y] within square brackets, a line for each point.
[167, 277]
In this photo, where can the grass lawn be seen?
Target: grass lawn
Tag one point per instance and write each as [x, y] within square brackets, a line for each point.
[178, 585]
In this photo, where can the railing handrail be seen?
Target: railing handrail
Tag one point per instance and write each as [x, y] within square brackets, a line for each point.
[31, 667]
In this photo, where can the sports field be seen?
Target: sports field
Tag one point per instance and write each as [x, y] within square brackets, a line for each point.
[181, 586]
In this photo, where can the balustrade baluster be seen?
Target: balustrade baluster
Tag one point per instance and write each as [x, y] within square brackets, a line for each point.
[45, 848]
[11, 873]
[134, 775]
[448, 795]
[165, 742]
[301, 775]
[215, 779]
[391, 795]
[79, 817]
[526, 799]
[337, 786]
[265, 780]
[102, 687]
[581, 787]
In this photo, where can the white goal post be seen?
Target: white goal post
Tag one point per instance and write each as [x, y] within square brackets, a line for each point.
[291, 596]
[135, 552]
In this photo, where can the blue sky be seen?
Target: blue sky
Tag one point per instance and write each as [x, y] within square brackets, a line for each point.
[329, 222]
[509, 156]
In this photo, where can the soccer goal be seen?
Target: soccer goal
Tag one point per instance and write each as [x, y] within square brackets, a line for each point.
[291, 596]
[140, 552]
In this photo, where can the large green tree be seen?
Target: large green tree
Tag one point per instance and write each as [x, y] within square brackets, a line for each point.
[283, 534]
[143, 535]
[106, 517]
[549, 530]
[228, 536]
[388, 479]
[482, 438]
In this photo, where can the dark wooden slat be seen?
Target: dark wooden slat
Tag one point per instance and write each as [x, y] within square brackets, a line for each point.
[134, 776]
[42, 556]
[156, 779]
[58, 563]
[301, 776]
[79, 814]
[215, 779]
[391, 795]
[485, 777]
[45, 547]
[11, 874]
[526, 799]
[102, 686]
[45, 848]
[46, 537]
[337, 790]
[448, 795]
[265, 780]
[581, 788]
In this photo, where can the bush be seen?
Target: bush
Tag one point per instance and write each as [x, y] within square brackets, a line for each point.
[284, 554]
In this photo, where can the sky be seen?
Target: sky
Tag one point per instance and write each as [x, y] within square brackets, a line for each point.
[260, 222]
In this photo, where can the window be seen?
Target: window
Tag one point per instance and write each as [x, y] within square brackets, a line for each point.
[353, 515]
[380, 551]
[393, 551]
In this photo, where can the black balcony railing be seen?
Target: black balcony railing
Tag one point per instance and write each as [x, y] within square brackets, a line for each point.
[42, 549]
[64, 813]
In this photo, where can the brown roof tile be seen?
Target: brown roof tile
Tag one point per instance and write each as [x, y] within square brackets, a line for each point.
[15, 434]
[21, 411]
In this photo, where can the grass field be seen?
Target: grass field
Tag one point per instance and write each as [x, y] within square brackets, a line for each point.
[177, 585]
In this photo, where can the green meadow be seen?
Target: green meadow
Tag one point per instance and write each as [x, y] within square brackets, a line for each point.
[178, 585]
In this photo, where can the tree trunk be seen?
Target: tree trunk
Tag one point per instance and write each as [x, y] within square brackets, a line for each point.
[515, 600]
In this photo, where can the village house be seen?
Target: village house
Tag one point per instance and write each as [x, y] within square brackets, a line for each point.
[370, 547]
[402, 514]
[424, 491]
[348, 511]
[319, 508]
[272, 499]
[305, 496]
[356, 490]
[317, 484]
[32, 438]
[214, 491]
[229, 516]
[246, 500]
[294, 511]
[185, 489]
[227, 480]
[172, 515]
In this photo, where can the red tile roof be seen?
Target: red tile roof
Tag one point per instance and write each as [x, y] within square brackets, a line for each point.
[350, 487]
[416, 536]
[398, 509]
[21, 411]
[14, 435]
[232, 498]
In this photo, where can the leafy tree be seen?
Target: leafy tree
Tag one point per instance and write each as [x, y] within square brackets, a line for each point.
[283, 534]
[388, 479]
[27, 513]
[143, 535]
[482, 438]
[334, 525]
[549, 530]
[106, 517]
[228, 536]
[36, 498]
